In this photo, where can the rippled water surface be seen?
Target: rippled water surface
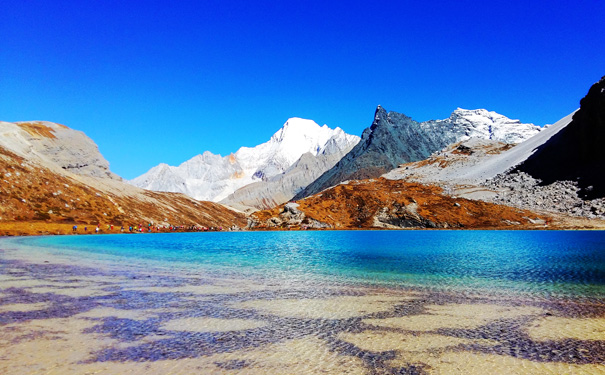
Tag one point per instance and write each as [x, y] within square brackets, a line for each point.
[359, 302]
[531, 261]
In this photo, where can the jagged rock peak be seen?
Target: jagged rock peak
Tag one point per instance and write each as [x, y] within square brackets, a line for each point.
[381, 116]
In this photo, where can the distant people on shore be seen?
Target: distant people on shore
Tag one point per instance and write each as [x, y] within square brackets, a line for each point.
[155, 228]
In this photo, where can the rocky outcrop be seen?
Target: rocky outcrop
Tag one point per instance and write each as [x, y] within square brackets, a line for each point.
[394, 139]
[55, 146]
[403, 216]
[290, 217]
[576, 153]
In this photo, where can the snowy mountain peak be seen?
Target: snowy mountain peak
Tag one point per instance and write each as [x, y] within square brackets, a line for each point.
[481, 115]
[296, 137]
[212, 177]
[296, 128]
[481, 123]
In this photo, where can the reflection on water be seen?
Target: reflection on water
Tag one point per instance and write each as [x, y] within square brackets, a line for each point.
[304, 303]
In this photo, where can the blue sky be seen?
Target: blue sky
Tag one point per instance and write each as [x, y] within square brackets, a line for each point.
[155, 82]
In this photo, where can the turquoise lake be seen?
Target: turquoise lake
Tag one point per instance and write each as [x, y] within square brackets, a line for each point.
[535, 262]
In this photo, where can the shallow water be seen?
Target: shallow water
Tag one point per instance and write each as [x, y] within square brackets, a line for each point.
[406, 302]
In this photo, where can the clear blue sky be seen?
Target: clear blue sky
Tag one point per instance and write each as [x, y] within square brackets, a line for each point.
[155, 82]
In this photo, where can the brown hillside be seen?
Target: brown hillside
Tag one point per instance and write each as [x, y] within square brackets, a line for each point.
[35, 200]
[383, 203]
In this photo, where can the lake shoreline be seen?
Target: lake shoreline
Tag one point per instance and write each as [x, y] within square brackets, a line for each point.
[37, 228]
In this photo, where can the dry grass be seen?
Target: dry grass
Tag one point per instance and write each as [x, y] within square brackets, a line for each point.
[354, 205]
[37, 129]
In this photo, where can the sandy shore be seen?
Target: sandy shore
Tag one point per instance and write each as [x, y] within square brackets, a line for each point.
[59, 315]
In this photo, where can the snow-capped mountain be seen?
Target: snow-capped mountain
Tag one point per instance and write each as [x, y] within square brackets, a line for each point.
[214, 177]
[394, 138]
[284, 186]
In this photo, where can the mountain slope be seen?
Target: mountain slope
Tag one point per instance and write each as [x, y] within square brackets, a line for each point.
[522, 175]
[576, 153]
[475, 160]
[394, 138]
[213, 177]
[46, 186]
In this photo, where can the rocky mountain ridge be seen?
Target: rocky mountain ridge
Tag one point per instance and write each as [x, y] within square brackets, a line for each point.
[558, 170]
[394, 139]
[475, 160]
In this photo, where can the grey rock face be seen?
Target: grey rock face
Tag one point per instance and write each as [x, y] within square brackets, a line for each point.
[395, 138]
[55, 145]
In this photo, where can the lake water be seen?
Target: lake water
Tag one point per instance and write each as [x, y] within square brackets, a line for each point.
[330, 302]
[559, 262]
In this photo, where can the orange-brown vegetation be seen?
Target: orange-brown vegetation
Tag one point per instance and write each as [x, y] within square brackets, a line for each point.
[38, 129]
[383, 203]
[36, 200]
[237, 174]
